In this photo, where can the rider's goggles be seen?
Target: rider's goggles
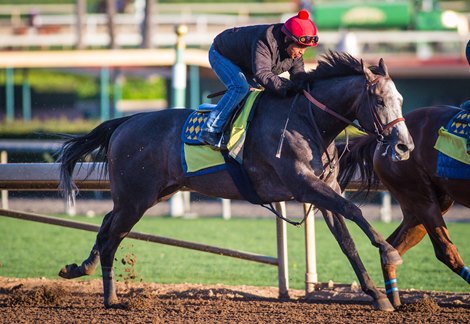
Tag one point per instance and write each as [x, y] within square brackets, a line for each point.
[307, 40]
[303, 40]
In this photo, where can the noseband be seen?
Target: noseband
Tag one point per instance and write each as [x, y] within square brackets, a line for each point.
[379, 128]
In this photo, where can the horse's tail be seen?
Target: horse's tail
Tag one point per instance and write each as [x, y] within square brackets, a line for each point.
[77, 147]
[358, 160]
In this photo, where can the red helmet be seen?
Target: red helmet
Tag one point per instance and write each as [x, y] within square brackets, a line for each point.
[301, 29]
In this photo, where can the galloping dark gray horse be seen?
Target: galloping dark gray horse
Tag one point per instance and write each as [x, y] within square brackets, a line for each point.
[143, 154]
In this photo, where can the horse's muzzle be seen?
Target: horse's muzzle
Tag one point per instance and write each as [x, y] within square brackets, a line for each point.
[402, 143]
[401, 152]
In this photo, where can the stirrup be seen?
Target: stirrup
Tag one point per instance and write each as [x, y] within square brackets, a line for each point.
[220, 145]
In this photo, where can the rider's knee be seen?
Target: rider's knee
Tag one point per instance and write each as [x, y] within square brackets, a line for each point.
[242, 89]
[245, 88]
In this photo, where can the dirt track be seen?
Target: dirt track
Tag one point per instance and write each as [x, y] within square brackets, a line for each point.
[63, 301]
[54, 301]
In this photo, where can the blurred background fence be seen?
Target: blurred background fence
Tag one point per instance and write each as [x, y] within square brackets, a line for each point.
[422, 42]
[66, 65]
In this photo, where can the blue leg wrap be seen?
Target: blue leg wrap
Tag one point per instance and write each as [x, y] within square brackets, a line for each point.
[465, 274]
[391, 286]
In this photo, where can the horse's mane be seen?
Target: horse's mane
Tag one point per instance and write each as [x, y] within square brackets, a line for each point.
[358, 160]
[337, 64]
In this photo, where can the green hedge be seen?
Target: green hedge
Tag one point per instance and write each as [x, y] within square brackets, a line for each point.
[86, 86]
[44, 129]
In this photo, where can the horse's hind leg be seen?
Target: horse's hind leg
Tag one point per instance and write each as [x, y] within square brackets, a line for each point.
[108, 240]
[337, 226]
[447, 252]
[88, 266]
[444, 249]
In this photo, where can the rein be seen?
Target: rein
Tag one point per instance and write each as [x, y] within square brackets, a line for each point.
[332, 112]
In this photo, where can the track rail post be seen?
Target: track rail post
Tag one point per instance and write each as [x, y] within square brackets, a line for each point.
[311, 276]
[283, 269]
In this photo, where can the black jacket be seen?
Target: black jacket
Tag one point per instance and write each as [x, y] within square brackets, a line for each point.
[260, 52]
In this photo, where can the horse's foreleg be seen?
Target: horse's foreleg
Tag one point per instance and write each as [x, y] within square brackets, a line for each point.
[337, 226]
[349, 210]
[388, 254]
[408, 234]
[324, 197]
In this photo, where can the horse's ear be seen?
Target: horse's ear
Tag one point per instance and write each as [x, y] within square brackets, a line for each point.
[367, 72]
[383, 67]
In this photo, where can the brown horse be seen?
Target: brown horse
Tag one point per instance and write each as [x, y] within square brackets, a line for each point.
[424, 197]
[143, 154]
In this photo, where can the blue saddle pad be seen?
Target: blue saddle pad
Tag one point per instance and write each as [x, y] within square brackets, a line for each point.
[193, 126]
[196, 157]
[453, 163]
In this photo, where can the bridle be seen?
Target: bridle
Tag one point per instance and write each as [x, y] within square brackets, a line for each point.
[379, 128]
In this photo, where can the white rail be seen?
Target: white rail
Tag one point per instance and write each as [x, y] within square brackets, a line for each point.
[45, 176]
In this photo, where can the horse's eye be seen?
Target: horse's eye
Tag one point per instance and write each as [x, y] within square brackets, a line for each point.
[380, 102]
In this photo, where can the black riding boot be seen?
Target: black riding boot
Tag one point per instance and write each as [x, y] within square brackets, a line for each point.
[211, 136]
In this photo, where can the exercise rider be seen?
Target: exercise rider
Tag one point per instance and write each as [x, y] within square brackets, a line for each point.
[242, 57]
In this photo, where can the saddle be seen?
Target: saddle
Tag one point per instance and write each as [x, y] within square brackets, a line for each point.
[237, 124]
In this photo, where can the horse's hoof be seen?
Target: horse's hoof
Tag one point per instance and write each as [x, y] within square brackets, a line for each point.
[396, 304]
[383, 304]
[71, 271]
[125, 306]
[114, 303]
[391, 258]
[395, 300]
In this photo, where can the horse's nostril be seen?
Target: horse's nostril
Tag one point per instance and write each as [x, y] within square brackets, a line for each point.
[401, 148]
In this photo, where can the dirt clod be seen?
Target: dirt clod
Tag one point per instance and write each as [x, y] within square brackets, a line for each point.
[422, 305]
[39, 296]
